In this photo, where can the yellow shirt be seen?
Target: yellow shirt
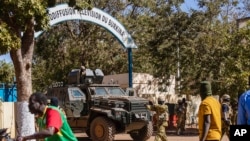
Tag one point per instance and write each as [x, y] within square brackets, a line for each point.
[210, 106]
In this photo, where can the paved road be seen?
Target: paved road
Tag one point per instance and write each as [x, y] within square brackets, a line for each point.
[126, 137]
[191, 134]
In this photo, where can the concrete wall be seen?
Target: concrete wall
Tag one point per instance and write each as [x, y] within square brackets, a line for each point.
[145, 85]
[242, 22]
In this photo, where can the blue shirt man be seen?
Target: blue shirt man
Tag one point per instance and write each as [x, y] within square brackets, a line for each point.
[243, 117]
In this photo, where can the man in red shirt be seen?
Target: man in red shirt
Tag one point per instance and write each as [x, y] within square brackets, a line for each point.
[50, 119]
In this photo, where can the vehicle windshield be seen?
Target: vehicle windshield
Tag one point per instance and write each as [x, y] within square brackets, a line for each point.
[115, 91]
[76, 94]
[100, 91]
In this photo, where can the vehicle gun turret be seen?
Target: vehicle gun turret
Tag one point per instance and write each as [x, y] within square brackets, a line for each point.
[89, 77]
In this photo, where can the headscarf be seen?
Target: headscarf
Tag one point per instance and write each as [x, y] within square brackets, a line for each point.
[205, 88]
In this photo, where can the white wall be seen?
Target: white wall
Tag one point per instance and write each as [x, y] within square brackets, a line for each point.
[143, 83]
[7, 117]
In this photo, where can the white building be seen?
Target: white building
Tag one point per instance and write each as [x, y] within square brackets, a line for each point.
[145, 85]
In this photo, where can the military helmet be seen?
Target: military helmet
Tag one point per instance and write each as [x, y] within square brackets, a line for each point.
[225, 97]
[161, 100]
[83, 68]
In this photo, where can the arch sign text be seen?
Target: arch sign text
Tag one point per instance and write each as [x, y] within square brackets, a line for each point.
[63, 12]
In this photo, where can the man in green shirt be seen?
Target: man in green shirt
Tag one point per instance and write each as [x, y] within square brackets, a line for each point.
[50, 119]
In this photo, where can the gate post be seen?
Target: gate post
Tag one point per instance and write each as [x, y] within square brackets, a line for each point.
[130, 67]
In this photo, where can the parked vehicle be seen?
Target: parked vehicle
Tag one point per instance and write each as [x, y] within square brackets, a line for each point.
[102, 110]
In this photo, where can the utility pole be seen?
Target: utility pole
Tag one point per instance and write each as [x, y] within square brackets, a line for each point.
[178, 57]
[178, 66]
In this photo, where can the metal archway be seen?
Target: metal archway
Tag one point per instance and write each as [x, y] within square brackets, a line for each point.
[63, 12]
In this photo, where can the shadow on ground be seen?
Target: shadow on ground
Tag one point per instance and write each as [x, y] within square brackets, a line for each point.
[83, 139]
[87, 139]
[188, 132]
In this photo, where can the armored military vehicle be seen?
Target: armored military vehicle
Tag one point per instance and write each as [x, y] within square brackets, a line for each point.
[102, 110]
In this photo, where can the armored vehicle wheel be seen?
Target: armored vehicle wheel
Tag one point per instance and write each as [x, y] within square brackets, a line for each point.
[102, 129]
[143, 134]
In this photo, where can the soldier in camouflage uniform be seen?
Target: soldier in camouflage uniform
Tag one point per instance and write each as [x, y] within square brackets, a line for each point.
[226, 114]
[180, 110]
[161, 111]
[82, 74]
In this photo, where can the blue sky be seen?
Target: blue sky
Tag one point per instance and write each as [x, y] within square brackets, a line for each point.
[189, 4]
[5, 58]
[186, 6]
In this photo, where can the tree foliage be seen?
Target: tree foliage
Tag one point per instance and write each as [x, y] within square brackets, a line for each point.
[14, 20]
[6, 72]
[19, 19]
[207, 39]
[204, 41]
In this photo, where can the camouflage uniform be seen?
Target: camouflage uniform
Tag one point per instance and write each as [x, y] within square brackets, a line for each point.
[161, 112]
[62, 110]
[226, 115]
[180, 110]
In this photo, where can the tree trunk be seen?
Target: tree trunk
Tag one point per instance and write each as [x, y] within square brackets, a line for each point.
[24, 119]
[22, 60]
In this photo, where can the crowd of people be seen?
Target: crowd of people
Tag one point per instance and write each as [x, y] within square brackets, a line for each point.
[214, 116]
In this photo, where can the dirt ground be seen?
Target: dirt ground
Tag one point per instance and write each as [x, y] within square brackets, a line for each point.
[191, 134]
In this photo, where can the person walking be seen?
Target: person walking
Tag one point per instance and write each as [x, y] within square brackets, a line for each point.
[226, 114]
[181, 110]
[161, 111]
[54, 124]
[209, 114]
[243, 116]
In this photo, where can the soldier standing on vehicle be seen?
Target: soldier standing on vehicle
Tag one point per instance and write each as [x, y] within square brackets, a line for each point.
[82, 74]
[161, 111]
[180, 110]
[226, 114]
